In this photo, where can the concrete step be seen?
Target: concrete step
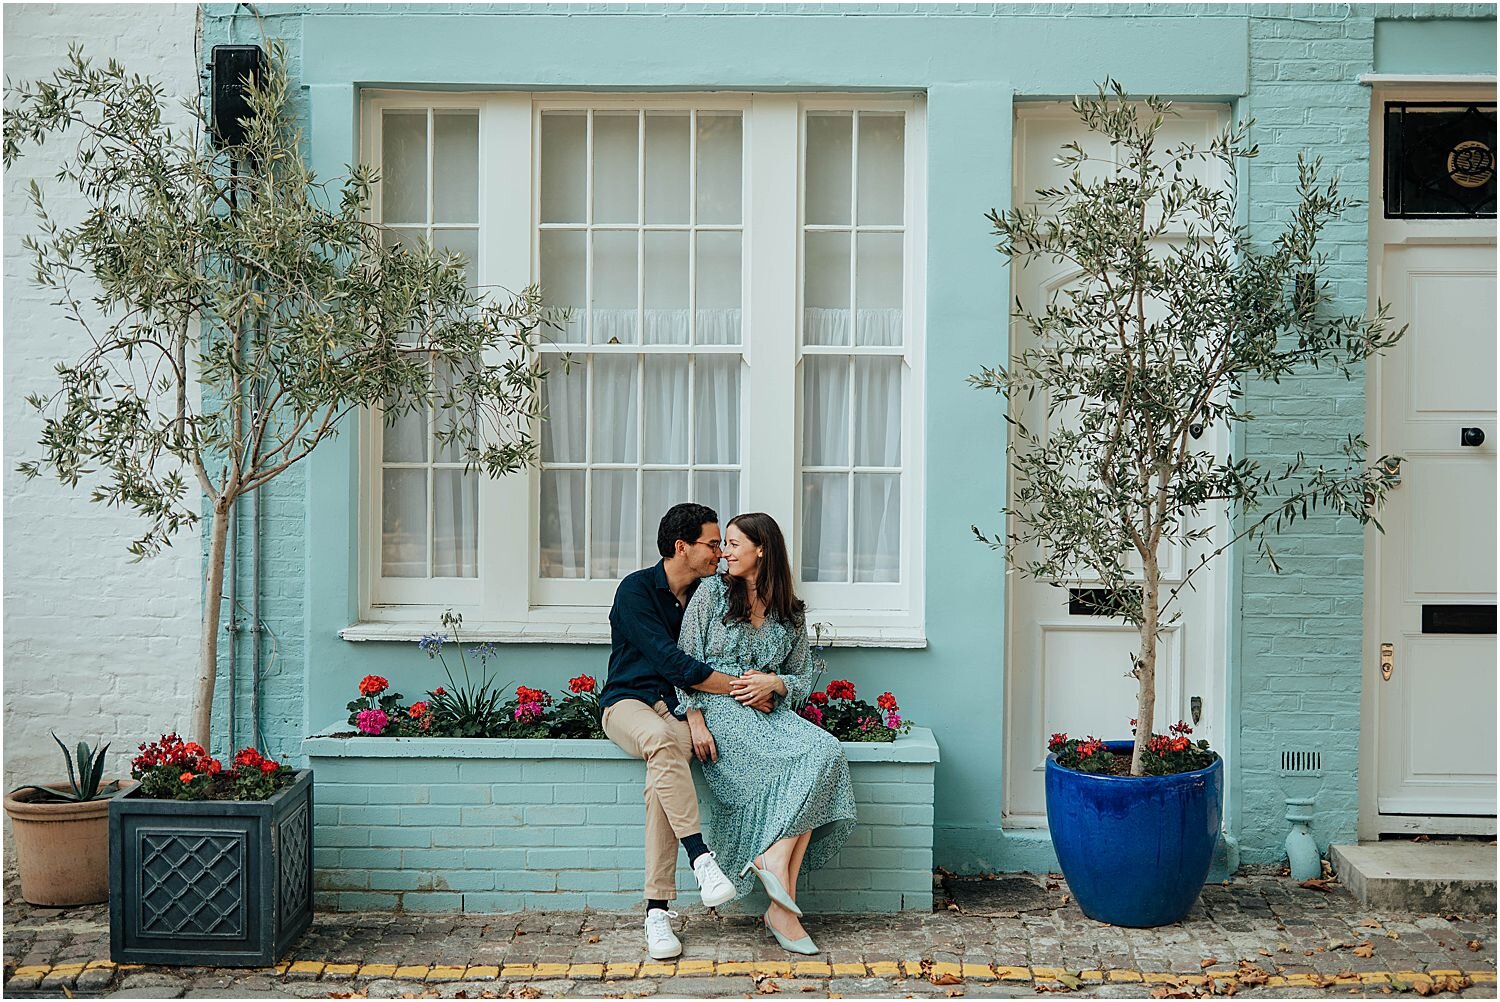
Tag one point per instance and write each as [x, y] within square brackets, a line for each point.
[1434, 877]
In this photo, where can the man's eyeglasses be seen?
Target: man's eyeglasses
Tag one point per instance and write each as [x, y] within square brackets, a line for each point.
[712, 544]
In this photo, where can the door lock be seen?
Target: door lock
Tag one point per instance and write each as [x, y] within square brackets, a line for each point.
[1387, 661]
[1391, 467]
[1471, 437]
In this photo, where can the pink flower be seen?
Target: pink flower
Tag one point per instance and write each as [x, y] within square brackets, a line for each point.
[528, 712]
[893, 720]
[812, 713]
[372, 721]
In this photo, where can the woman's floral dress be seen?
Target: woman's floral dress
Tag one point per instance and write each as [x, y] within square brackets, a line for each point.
[778, 775]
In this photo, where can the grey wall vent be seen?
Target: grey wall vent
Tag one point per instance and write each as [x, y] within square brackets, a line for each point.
[1301, 763]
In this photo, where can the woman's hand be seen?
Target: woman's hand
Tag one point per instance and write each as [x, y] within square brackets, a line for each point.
[757, 689]
[704, 748]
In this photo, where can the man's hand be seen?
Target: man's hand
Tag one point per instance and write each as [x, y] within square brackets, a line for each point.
[758, 690]
[704, 749]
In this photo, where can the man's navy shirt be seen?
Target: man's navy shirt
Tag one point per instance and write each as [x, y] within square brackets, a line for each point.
[645, 662]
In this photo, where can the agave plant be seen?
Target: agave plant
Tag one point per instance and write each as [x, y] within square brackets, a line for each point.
[84, 781]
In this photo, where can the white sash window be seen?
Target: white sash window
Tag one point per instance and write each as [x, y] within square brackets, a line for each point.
[744, 278]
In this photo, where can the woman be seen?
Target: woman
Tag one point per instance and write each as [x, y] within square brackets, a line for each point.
[784, 803]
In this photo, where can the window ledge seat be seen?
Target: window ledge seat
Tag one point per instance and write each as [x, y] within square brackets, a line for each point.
[500, 825]
[905, 637]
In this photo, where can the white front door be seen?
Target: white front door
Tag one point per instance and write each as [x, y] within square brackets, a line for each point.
[1068, 670]
[1436, 697]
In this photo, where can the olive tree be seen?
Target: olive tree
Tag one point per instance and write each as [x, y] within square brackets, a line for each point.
[238, 310]
[1174, 310]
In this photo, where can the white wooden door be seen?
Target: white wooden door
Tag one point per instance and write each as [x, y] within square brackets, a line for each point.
[1436, 710]
[1068, 671]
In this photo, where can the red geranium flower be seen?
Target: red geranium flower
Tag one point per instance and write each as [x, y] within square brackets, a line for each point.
[440, 691]
[581, 683]
[818, 698]
[268, 767]
[417, 710]
[215, 767]
[373, 685]
[1057, 741]
[247, 756]
[841, 689]
[526, 695]
[887, 702]
[186, 777]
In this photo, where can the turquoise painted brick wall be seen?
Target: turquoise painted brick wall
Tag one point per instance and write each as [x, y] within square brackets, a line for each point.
[1295, 658]
[561, 826]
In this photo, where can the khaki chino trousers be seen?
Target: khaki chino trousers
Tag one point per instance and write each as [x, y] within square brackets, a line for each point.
[664, 742]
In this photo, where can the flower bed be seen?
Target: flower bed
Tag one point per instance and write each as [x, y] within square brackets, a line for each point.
[494, 824]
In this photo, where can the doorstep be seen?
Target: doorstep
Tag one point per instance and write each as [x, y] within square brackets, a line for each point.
[1456, 876]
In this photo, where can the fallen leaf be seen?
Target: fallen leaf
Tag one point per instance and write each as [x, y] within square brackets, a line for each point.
[1392, 934]
[1072, 981]
[809, 988]
[766, 986]
[1263, 952]
[1251, 974]
[1421, 838]
[1316, 884]
[945, 979]
[1051, 885]
[1365, 950]
[1370, 923]
[1066, 898]
[1422, 988]
[1473, 945]
[1209, 961]
[954, 993]
[952, 907]
[594, 938]
[1283, 948]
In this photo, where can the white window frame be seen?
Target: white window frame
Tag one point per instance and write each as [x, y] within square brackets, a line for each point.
[510, 605]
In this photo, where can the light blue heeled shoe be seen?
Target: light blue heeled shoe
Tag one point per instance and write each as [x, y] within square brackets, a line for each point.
[773, 887]
[804, 946]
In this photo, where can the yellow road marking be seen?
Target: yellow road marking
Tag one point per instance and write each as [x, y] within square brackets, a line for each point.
[446, 972]
[1013, 973]
[340, 970]
[977, 972]
[376, 970]
[481, 972]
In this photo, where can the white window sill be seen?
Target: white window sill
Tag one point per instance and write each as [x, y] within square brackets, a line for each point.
[900, 637]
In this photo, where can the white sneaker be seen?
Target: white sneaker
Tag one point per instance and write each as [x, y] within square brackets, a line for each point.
[712, 884]
[661, 942]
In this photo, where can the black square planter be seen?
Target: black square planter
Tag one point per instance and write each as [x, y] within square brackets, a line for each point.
[221, 883]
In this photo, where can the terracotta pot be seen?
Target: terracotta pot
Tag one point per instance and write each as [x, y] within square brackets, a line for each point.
[62, 849]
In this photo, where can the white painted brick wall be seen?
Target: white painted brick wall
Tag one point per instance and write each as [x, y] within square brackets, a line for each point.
[95, 647]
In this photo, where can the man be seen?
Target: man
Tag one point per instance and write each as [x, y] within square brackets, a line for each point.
[645, 668]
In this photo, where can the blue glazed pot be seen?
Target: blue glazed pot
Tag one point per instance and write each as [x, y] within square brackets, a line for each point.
[1135, 849]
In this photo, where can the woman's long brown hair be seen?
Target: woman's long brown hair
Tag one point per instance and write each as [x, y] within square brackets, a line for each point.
[773, 576]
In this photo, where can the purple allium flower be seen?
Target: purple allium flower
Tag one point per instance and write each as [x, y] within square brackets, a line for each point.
[431, 644]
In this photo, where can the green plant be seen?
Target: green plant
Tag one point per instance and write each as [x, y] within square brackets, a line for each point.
[473, 709]
[579, 714]
[1173, 312]
[239, 310]
[85, 783]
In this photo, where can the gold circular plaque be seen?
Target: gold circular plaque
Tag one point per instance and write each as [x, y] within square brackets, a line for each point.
[1471, 164]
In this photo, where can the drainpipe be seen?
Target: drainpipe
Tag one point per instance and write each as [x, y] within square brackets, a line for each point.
[1301, 849]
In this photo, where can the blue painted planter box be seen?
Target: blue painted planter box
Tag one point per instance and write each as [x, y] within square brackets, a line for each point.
[499, 825]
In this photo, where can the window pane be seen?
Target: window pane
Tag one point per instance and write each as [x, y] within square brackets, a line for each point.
[718, 280]
[614, 429]
[615, 170]
[405, 440]
[829, 149]
[614, 316]
[455, 524]
[716, 410]
[564, 160]
[667, 168]
[720, 490]
[615, 530]
[877, 401]
[882, 151]
[562, 524]
[665, 437]
[403, 167]
[455, 167]
[720, 165]
[825, 527]
[444, 376]
[825, 410]
[879, 288]
[666, 288]
[877, 527]
[403, 524]
[825, 297]
[465, 242]
[562, 279]
[562, 395]
[660, 490]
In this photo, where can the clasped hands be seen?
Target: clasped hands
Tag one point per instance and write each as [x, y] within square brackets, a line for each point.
[758, 690]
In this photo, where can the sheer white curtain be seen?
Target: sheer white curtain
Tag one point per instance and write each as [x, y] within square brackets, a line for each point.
[858, 541]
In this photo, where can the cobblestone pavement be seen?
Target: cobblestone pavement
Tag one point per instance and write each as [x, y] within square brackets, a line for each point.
[1259, 934]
